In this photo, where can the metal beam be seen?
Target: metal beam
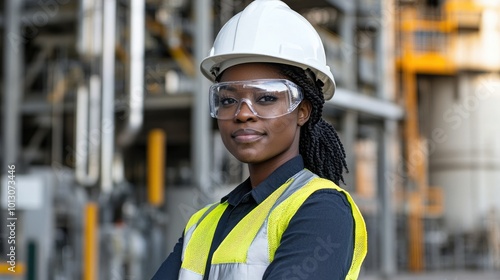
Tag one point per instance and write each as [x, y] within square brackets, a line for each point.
[349, 58]
[387, 137]
[12, 90]
[349, 100]
[201, 118]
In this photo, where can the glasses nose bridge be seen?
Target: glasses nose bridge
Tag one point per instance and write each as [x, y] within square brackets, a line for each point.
[249, 104]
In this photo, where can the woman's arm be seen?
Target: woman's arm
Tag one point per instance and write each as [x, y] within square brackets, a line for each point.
[169, 269]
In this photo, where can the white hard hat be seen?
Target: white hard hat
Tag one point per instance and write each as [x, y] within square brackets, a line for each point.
[269, 31]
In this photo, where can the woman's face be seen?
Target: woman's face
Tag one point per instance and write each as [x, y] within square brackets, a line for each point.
[256, 140]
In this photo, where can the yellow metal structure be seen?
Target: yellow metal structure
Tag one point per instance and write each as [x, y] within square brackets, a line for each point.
[156, 167]
[425, 46]
[6, 270]
[90, 242]
[178, 52]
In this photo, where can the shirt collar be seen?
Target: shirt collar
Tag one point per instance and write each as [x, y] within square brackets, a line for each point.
[268, 186]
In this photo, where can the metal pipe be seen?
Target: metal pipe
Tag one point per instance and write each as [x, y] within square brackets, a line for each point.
[12, 92]
[136, 74]
[156, 166]
[81, 125]
[90, 29]
[88, 112]
[387, 139]
[57, 98]
[90, 242]
[201, 136]
[108, 95]
[88, 136]
[347, 32]
[351, 100]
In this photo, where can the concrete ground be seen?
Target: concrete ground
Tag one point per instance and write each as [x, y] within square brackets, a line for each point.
[449, 275]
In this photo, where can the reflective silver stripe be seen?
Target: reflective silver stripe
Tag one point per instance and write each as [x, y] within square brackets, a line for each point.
[189, 232]
[237, 271]
[258, 252]
[299, 180]
[186, 239]
[185, 274]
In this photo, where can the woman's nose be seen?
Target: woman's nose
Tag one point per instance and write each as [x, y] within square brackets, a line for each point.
[245, 111]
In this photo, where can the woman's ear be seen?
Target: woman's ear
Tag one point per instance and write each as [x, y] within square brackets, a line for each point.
[304, 110]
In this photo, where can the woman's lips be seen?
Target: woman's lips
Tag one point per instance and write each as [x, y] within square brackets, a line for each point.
[246, 135]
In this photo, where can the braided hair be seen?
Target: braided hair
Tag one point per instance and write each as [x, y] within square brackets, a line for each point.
[319, 145]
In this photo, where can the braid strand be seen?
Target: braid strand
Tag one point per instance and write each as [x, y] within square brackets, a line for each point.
[320, 145]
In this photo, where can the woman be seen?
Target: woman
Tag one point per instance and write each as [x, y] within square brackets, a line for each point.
[289, 219]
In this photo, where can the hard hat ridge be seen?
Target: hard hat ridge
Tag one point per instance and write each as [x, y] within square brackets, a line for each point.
[269, 31]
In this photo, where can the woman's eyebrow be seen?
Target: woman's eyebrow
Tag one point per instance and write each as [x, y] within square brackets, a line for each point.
[229, 88]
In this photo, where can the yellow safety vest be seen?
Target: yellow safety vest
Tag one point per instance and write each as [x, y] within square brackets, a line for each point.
[249, 248]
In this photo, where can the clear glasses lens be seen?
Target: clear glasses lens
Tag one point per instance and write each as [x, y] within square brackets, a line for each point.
[266, 98]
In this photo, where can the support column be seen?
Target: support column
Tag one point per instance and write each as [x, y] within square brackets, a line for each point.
[13, 81]
[201, 121]
[386, 173]
[348, 35]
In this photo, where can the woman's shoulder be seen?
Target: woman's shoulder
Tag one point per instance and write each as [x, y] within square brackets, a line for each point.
[329, 198]
[321, 191]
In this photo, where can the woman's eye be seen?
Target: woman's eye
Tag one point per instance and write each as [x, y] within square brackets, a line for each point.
[267, 99]
[227, 101]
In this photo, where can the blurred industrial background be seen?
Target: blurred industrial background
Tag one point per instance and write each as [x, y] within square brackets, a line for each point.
[105, 117]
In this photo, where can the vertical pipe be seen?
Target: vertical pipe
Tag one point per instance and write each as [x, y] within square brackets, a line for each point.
[388, 138]
[108, 94]
[12, 91]
[90, 246]
[88, 111]
[57, 98]
[89, 42]
[384, 51]
[156, 166]
[31, 260]
[136, 74]
[81, 143]
[347, 33]
[200, 114]
[386, 182]
[415, 159]
[416, 252]
[93, 130]
[87, 133]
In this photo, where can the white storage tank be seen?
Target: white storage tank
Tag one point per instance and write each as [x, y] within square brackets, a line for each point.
[461, 119]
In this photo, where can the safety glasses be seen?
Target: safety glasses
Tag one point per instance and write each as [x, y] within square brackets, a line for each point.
[266, 98]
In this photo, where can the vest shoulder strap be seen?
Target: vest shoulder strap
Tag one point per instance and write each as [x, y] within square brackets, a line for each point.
[198, 237]
[281, 216]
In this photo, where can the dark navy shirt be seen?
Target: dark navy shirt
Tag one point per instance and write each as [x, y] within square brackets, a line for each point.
[318, 243]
